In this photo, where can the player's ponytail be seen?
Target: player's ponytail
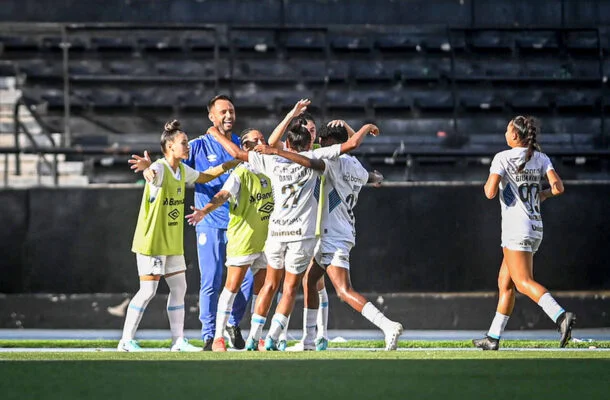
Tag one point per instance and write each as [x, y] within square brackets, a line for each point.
[527, 131]
[170, 130]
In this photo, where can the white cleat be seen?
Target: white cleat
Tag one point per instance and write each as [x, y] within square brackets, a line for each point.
[183, 345]
[392, 335]
[300, 346]
[130, 346]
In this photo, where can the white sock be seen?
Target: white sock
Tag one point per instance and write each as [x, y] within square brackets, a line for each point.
[309, 324]
[322, 319]
[284, 332]
[175, 304]
[550, 306]
[497, 325]
[136, 308]
[225, 305]
[372, 313]
[278, 322]
[256, 327]
[254, 296]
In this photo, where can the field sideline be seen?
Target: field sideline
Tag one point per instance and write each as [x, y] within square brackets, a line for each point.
[352, 370]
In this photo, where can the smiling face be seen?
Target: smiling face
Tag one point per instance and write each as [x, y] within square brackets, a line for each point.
[311, 127]
[222, 115]
[251, 139]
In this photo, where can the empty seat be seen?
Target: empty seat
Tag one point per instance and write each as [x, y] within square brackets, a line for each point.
[578, 99]
[585, 40]
[159, 42]
[40, 68]
[365, 70]
[473, 99]
[537, 40]
[86, 67]
[202, 40]
[398, 41]
[353, 42]
[130, 68]
[304, 40]
[255, 40]
[112, 43]
[528, 99]
[432, 99]
[264, 70]
[491, 40]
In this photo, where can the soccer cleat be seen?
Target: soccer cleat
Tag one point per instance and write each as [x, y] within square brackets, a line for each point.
[183, 345]
[270, 344]
[207, 344]
[392, 335]
[130, 346]
[321, 344]
[281, 345]
[251, 345]
[219, 344]
[487, 343]
[565, 327]
[236, 340]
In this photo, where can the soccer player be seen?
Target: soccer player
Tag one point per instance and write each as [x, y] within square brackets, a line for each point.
[250, 204]
[298, 115]
[158, 239]
[345, 178]
[516, 174]
[206, 152]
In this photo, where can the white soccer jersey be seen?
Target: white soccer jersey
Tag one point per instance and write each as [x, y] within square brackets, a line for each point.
[346, 176]
[520, 192]
[294, 187]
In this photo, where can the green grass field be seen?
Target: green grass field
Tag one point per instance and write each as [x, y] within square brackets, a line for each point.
[339, 374]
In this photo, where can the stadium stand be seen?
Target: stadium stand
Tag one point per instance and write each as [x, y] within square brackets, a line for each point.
[427, 87]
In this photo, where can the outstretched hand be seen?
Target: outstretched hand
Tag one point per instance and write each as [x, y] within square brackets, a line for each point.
[299, 108]
[265, 149]
[194, 218]
[139, 164]
[373, 129]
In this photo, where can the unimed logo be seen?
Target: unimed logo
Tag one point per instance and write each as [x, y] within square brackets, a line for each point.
[173, 214]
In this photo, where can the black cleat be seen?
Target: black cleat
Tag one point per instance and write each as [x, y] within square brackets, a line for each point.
[487, 343]
[564, 325]
[236, 340]
[207, 344]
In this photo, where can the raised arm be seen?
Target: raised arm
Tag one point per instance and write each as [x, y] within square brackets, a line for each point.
[275, 140]
[556, 188]
[356, 139]
[198, 213]
[375, 177]
[214, 172]
[228, 145]
[307, 162]
[491, 186]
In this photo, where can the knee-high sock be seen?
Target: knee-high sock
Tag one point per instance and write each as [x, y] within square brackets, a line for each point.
[175, 304]
[225, 305]
[322, 317]
[309, 324]
[278, 323]
[372, 313]
[136, 308]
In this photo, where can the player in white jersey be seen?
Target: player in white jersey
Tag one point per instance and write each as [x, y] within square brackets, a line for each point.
[517, 174]
[345, 177]
[291, 239]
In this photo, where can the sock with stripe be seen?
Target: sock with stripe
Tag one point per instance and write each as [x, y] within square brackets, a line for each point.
[550, 306]
[309, 324]
[256, 327]
[278, 323]
[322, 319]
[225, 305]
[497, 325]
[175, 304]
[136, 308]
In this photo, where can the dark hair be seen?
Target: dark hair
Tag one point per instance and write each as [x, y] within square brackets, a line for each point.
[301, 120]
[338, 133]
[170, 130]
[244, 133]
[216, 98]
[527, 130]
[299, 138]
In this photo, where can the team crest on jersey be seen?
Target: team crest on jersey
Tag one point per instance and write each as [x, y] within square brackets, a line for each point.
[212, 157]
[179, 190]
[264, 182]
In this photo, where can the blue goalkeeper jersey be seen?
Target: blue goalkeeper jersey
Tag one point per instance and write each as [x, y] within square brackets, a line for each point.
[206, 152]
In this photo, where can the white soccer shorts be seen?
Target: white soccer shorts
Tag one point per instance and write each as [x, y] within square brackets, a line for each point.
[333, 252]
[523, 243]
[293, 256]
[256, 261]
[159, 265]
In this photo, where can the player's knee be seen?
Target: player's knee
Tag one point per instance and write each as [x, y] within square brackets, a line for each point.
[343, 292]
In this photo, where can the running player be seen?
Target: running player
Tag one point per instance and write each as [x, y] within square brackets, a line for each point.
[251, 202]
[346, 176]
[158, 239]
[517, 174]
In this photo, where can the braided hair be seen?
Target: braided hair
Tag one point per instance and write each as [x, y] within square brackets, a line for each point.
[527, 130]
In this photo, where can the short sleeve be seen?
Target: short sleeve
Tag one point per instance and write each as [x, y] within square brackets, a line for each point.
[547, 165]
[497, 166]
[232, 184]
[329, 152]
[159, 169]
[190, 175]
[257, 162]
